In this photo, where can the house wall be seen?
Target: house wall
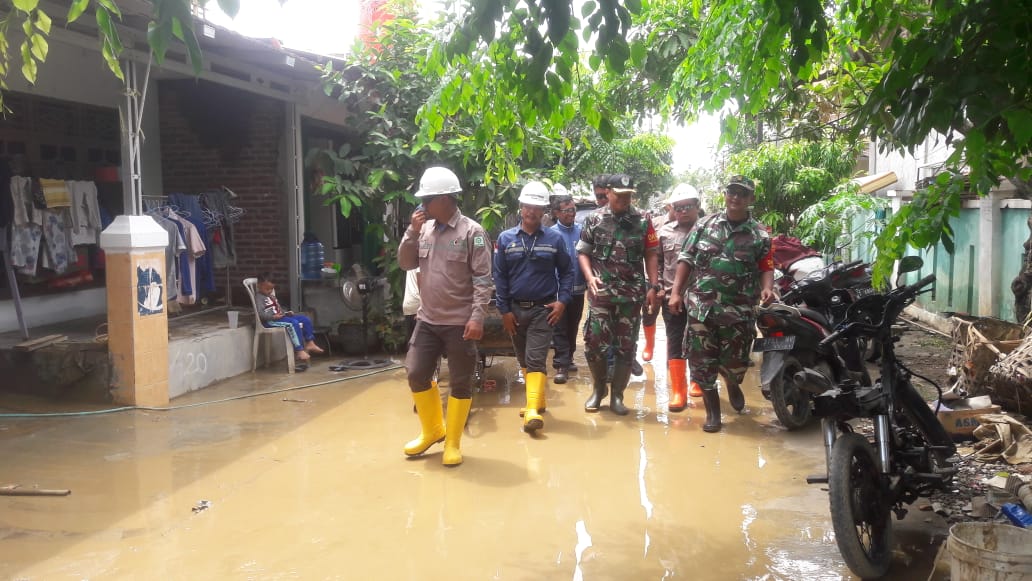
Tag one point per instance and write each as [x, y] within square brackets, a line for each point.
[962, 278]
[214, 136]
[75, 74]
[989, 236]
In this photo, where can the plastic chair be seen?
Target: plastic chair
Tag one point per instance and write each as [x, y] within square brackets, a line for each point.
[260, 330]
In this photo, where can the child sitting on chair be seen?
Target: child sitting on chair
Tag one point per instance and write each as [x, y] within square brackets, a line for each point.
[299, 327]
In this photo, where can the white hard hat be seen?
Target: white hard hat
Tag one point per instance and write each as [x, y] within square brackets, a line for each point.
[559, 190]
[682, 193]
[437, 181]
[534, 194]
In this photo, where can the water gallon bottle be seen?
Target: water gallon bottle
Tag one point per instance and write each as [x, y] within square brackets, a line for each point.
[1017, 515]
[312, 256]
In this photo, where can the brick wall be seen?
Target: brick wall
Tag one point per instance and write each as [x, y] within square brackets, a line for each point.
[214, 136]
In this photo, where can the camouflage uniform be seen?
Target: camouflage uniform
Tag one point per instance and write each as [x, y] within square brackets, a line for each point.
[722, 291]
[616, 246]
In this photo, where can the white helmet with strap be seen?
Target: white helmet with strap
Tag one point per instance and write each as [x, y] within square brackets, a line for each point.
[437, 181]
[682, 193]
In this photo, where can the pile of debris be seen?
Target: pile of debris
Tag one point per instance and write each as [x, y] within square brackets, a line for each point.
[995, 469]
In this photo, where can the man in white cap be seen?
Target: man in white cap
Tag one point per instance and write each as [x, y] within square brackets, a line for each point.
[533, 276]
[684, 203]
[453, 254]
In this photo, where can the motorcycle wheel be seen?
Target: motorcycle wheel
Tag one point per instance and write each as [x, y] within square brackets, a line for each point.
[791, 404]
[859, 508]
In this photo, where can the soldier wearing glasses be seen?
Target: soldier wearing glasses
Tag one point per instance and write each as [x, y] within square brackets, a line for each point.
[533, 277]
[684, 204]
[725, 267]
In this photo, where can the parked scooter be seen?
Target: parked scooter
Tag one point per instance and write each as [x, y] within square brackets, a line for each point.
[791, 335]
[910, 453]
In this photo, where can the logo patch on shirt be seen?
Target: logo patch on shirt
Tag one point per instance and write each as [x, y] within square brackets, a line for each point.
[478, 241]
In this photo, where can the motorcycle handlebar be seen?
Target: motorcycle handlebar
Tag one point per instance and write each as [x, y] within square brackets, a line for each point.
[901, 294]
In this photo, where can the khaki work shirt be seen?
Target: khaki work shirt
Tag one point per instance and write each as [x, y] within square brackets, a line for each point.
[671, 238]
[454, 261]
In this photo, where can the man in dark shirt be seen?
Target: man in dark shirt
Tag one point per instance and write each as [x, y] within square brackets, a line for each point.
[533, 276]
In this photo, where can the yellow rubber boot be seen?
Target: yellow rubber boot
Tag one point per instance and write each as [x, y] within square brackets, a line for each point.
[541, 401]
[650, 342]
[532, 420]
[458, 411]
[431, 419]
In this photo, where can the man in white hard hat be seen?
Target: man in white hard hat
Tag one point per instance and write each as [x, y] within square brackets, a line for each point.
[684, 203]
[453, 254]
[533, 276]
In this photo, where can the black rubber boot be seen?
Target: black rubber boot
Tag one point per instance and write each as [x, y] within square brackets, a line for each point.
[711, 398]
[621, 376]
[598, 378]
[735, 396]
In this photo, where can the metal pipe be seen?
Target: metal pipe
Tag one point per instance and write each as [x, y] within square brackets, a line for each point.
[830, 432]
[882, 436]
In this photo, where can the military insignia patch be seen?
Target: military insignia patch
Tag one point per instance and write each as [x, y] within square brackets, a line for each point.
[478, 241]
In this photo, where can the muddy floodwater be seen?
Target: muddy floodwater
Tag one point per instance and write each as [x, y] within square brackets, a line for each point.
[311, 483]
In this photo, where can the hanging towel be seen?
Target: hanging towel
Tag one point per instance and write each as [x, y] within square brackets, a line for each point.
[56, 193]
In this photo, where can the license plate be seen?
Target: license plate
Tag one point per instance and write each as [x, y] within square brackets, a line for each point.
[785, 343]
[863, 292]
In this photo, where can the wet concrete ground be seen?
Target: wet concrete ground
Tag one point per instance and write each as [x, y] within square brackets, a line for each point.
[311, 483]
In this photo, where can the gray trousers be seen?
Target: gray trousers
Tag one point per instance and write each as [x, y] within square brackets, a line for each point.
[428, 344]
[533, 337]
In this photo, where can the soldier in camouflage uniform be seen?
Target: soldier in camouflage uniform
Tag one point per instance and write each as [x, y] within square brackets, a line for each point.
[614, 242]
[725, 267]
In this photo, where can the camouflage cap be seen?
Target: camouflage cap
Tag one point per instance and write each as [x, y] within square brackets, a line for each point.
[742, 182]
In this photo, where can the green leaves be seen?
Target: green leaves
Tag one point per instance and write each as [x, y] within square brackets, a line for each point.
[111, 44]
[34, 48]
[76, 9]
[25, 5]
[794, 175]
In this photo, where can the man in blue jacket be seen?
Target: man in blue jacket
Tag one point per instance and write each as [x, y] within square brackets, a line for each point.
[565, 338]
[533, 276]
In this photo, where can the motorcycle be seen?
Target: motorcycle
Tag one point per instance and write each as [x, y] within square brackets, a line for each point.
[909, 455]
[791, 335]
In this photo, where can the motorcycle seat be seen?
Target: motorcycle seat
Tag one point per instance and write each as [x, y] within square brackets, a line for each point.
[815, 316]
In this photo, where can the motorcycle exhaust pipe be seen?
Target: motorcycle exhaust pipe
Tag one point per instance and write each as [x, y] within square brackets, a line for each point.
[812, 381]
